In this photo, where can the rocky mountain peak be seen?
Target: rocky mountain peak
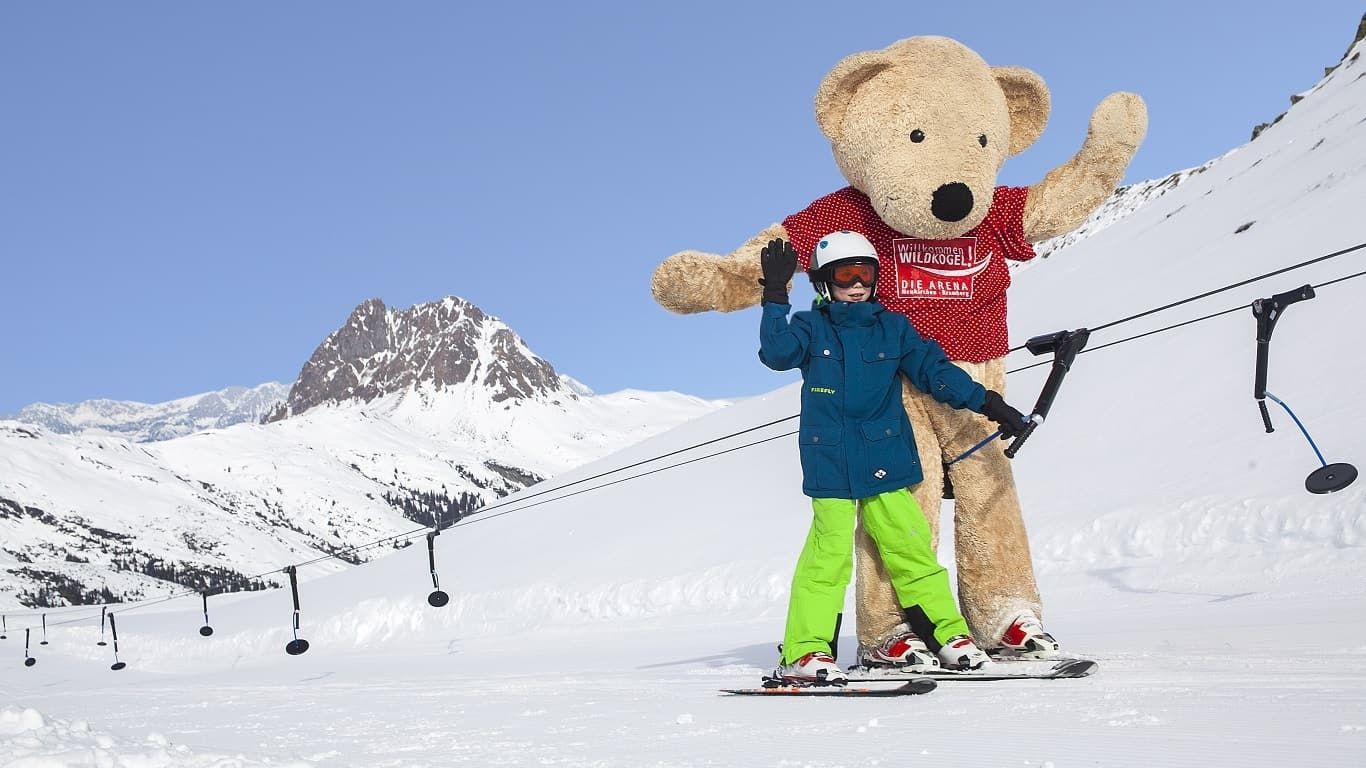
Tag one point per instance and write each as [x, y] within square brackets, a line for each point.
[379, 351]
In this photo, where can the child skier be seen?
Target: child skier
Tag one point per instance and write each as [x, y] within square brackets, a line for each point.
[857, 450]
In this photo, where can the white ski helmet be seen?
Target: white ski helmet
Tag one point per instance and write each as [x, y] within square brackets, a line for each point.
[844, 246]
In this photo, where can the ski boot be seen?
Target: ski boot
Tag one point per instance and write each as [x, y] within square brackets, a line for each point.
[1026, 639]
[961, 653]
[903, 652]
[815, 668]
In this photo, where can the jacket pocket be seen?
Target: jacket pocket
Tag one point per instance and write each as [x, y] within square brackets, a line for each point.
[882, 429]
[878, 353]
[822, 457]
[824, 365]
[880, 364]
[891, 449]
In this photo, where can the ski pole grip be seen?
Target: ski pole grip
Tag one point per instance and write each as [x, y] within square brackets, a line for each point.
[1020, 439]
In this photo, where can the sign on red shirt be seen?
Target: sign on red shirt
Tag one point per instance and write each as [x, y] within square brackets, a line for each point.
[952, 291]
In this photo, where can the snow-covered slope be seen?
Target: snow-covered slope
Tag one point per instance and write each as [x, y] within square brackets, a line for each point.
[1122, 203]
[1173, 536]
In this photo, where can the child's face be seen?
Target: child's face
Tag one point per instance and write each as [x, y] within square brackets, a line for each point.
[855, 292]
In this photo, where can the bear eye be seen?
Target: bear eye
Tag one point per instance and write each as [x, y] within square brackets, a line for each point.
[917, 136]
[982, 139]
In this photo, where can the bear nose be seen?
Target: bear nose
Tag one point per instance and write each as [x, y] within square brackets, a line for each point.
[952, 202]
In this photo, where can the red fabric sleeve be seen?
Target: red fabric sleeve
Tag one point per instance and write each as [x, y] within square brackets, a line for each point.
[1007, 219]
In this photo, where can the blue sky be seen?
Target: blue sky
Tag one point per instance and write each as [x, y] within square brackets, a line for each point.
[193, 195]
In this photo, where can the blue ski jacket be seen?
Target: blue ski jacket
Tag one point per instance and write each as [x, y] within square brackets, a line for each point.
[855, 440]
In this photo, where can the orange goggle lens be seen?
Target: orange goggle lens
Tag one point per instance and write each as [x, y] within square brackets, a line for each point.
[845, 275]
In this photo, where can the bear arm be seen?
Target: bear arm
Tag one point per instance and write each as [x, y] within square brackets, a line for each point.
[1075, 189]
[693, 281]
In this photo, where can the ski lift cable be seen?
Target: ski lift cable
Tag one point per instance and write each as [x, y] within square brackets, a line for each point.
[131, 607]
[1228, 287]
[482, 518]
[414, 532]
[1238, 308]
[70, 609]
[519, 499]
[1340, 279]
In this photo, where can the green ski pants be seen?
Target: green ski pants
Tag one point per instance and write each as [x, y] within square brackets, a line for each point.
[902, 535]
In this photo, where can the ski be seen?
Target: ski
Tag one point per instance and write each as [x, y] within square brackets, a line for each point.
[911, 687]
[1065, 669]
[1006, 657]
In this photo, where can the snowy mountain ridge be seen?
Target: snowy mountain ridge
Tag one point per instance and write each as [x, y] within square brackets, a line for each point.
[150, 422]
[399, 419]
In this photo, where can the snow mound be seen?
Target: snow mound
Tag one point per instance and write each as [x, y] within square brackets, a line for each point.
[29, 740]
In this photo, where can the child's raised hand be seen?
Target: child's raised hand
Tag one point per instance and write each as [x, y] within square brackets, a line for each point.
[779, 261]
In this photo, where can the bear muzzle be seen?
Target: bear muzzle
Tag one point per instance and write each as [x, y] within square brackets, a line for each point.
[952, 202]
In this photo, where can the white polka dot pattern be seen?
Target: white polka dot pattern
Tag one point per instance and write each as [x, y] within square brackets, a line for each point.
[972, 330]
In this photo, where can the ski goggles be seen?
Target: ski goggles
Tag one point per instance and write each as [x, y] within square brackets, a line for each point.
[846, 275]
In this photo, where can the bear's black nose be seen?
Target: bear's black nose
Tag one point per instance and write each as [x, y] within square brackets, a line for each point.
[952, 202]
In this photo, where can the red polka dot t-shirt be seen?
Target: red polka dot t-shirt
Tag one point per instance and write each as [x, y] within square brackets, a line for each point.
[952, 293]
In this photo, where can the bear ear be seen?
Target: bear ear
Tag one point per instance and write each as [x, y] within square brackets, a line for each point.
[1029, 103]
[839, 87]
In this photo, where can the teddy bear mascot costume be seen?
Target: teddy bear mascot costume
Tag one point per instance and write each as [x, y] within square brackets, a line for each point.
[920, 130]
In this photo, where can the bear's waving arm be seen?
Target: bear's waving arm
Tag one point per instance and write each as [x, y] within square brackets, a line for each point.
[1073, 190]
[693, 281]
